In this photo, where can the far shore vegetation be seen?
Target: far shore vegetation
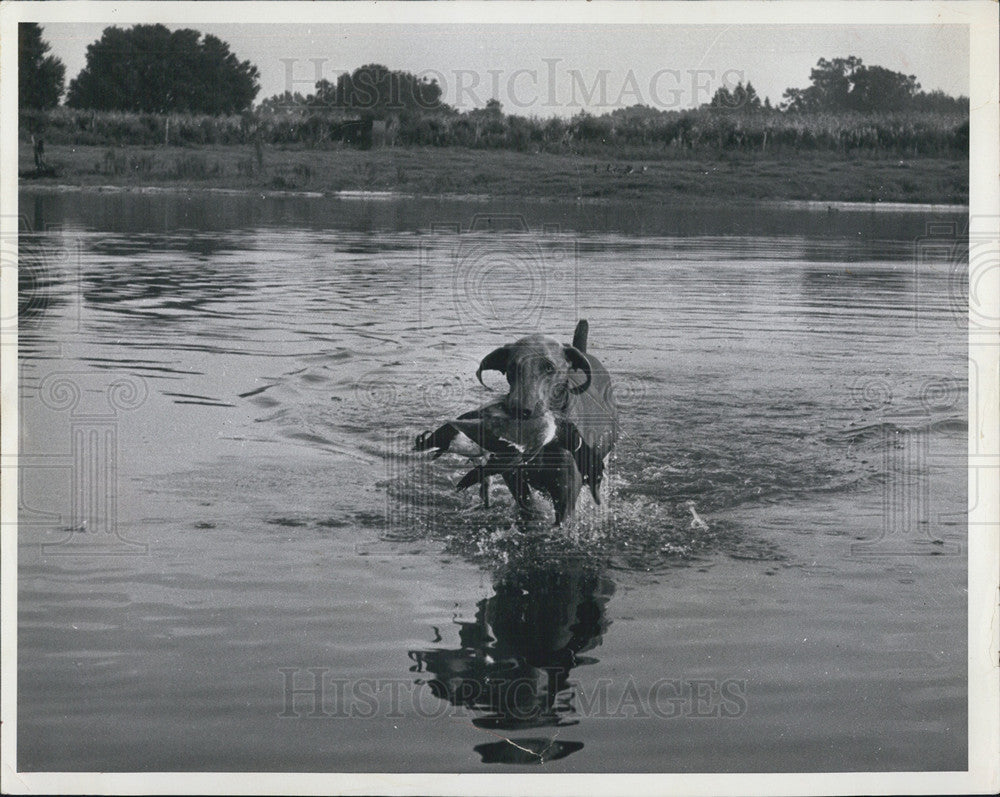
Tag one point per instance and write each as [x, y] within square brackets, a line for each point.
[856, 133]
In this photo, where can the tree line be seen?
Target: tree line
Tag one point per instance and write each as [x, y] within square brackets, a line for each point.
[149, 68]
[151, 72]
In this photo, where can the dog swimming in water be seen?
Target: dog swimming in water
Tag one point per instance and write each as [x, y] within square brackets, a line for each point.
[552, 431]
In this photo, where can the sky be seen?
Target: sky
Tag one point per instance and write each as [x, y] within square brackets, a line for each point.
[546, 70]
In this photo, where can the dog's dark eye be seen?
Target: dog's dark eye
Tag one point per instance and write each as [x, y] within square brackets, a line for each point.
[548, 367]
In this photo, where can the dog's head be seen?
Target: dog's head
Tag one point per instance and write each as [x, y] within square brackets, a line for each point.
[538, 371]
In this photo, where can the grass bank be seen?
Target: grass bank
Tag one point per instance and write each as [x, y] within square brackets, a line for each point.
[435, 171]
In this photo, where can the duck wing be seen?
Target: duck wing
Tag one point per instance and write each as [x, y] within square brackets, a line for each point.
[471, 424]
[440, 439]
[484, 434]
[594, 415]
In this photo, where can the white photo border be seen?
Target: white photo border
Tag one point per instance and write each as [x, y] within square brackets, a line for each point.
[983, 548]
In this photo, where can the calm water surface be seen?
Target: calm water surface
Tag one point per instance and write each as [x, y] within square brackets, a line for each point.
[230, 559]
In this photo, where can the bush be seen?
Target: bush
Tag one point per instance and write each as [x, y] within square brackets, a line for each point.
[644, 132]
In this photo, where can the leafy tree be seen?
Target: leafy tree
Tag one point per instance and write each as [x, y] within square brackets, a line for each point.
[749, 99]
[637, 113]
[40, 76]
[494, 107]
[831, 85]
[847, 84]
[148, 68]
[284, 103]
[374, 91]
[587, 127]
[723, 98]
[879, 89]
[940, 102]
[741, 98]
[555, 130]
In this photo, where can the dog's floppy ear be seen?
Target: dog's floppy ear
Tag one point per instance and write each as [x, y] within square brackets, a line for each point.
[496, 360]
[578, 360]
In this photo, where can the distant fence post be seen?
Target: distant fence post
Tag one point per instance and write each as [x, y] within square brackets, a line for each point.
[166, 132]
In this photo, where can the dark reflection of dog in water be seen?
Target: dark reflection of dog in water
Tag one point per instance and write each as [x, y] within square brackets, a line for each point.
[513, 664]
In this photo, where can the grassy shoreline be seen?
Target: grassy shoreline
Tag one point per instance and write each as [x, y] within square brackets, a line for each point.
[418, 171]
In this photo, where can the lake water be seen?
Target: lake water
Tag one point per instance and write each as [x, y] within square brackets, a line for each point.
[231, 560]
